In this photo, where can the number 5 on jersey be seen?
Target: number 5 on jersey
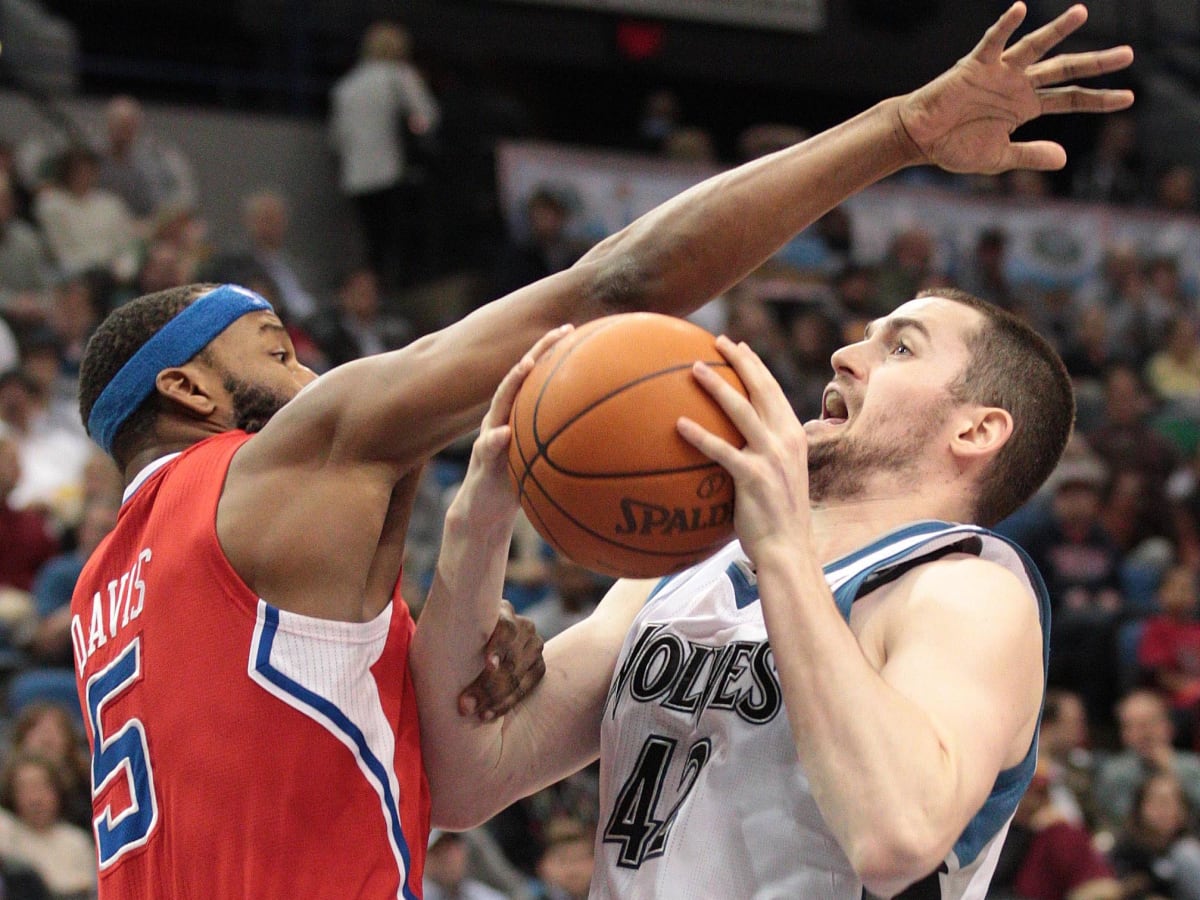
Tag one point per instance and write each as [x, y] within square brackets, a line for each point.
[124, 752]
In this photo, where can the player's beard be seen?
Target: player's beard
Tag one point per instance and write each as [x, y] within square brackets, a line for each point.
[839, 469]
[253, 405]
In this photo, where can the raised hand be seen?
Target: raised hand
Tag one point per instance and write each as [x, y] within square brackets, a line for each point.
[487, 493]
[771, 470]
[962, 120]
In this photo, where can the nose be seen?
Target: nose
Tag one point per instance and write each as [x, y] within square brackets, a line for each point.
[850, 360]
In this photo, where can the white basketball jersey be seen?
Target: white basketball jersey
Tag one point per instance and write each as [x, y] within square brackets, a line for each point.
[701, 791]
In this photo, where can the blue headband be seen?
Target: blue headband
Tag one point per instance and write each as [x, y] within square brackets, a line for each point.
[173, 345]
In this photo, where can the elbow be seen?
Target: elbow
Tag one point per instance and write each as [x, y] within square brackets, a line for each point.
[450, 817]
[889, 859]
[458, 810]
[618, 278]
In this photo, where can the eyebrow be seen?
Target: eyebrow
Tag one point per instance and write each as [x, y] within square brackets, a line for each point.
[899, 323]
[275, 327]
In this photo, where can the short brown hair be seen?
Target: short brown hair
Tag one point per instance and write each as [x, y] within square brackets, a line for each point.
[1015, 368]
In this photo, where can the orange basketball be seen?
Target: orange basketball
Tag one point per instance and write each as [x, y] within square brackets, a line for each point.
[602, 472]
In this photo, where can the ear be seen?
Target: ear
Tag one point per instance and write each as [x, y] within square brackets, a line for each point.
[981, 433]
[189, 388]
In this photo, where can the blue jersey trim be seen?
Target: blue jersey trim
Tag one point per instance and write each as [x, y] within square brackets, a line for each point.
[345, 725]
[1011, 783]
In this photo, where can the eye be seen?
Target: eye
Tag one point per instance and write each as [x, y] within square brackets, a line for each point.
[900, 348]
[281, 355]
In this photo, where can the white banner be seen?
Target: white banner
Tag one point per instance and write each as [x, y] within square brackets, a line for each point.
[1051, 243]
[788, 15]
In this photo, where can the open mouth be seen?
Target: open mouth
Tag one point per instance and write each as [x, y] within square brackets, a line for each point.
[833, 407]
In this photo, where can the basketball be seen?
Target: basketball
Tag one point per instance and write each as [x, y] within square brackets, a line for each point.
[602, 473]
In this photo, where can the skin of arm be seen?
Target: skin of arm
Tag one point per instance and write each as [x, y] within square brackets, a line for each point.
[904, 719]
[477, 768]
[364, 426]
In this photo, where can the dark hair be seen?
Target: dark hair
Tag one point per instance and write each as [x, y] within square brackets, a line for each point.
[58, 778]
[1052, 708]
[1137, 825]
[114, 342]
[1015, 368]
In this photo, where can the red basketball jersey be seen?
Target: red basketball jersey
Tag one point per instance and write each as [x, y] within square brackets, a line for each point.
[238, 750]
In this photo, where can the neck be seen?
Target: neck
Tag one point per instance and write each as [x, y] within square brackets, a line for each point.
[144, 457]
[842, 526]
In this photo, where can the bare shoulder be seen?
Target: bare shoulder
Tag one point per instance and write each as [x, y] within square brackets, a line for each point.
[959, 602]
[962, 636]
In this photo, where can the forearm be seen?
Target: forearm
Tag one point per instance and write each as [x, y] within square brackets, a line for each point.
[475, 769]
[447, 652]
[691, 248]
[879, 770]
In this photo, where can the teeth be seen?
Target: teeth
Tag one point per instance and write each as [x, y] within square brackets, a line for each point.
[835, 406]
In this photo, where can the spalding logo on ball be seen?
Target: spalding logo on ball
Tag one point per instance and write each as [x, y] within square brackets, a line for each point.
[602, 473]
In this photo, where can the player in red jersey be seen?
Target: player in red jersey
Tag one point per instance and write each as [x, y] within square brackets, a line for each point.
[240, 647]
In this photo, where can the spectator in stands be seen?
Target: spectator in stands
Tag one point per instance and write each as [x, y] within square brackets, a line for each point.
[1173, 372]
[355, 325]
[10, 173]
[572, 597]
[1046, 856]
[1155, 856]
[79, 305]
[661, 114]
[854, 289]
[265, 219]
[1124, 438]
[1167, 286]
[24, 533]
[446, 871]
[42, 356]
[1063, 744]
[148, 174]
[1136, 516]
[983, 273]
[84, 224]
[1111, 171]
[824, 248]
[1080, 564]
[1147, 737]
[1175, 189]
[33, 830]
[1055, 316]
[52, 457]
[691, 144]
[547, 246]
[372, 109]
[813, 335]
[1087, 351]
[25, 268]
[50, 642]
[1168, 653]
[564, 868]
[1134, 313]
[49, 730]
[1183, 493]
[905, 269]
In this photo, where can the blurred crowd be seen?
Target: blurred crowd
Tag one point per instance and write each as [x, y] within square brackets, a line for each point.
[91, 223]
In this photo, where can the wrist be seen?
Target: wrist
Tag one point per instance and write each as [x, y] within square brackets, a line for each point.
[900, 135]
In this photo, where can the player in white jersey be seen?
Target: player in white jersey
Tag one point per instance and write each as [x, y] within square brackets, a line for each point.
[882, 738]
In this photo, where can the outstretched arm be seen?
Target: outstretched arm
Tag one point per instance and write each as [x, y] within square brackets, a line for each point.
[354, 433]
[476, 768]
[681, 254]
